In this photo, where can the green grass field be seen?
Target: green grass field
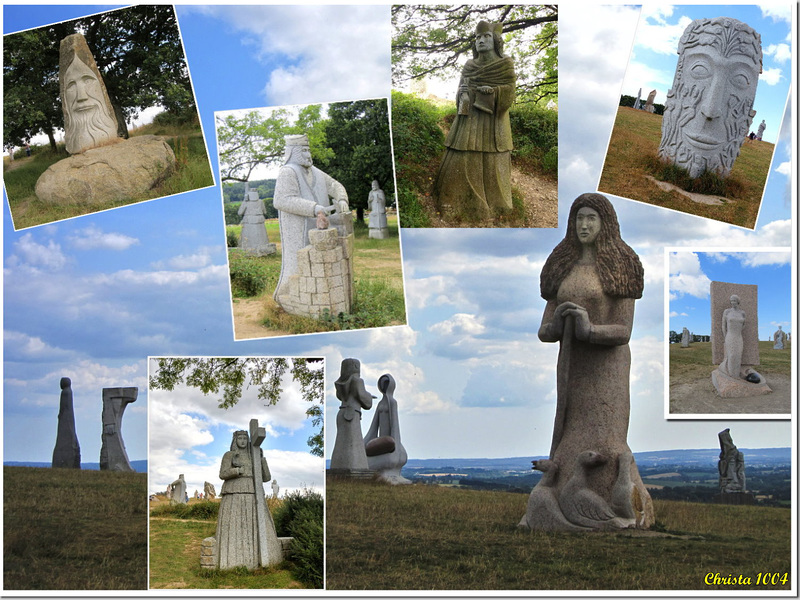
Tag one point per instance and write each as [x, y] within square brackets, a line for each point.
[695, 361]
[66, 529]
[192, 171]
[632, 155]
[418, 537]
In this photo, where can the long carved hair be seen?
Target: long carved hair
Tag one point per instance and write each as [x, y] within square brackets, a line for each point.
[620, 271]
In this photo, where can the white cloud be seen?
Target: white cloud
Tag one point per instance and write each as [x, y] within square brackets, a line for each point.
[459, 324]
[785, 168]
[165, 278]
[21, 346]
[35, 254]
[780, 52]
[759, 259]
[686, 276]
[92, 237]
[771, 76]
[778, 11]
[658, 35]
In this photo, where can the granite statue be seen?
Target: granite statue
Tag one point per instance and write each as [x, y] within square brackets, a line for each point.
[590, 282]
[253, 239]
[275, 488]
[176, 490]
[731, 465]
[349, 456]
[113, 456]
[474, 178]
[67, 453]
[208, 490]
[378, 226]
[686, 338]
[649, 106]
[245, 529]
[779, 337]
[709, 108]
[385, 452]
[761, 127]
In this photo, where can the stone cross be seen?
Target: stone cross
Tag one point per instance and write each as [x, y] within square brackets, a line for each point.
[257, 436]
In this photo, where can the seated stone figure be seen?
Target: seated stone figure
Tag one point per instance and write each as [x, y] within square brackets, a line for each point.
[385, 453]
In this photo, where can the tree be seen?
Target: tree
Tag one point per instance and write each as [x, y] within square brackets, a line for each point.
[248, 140]
[138, 50]
[358, 134]
[431, 39]
[231, 374]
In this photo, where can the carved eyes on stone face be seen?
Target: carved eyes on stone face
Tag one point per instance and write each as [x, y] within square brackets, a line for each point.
[740, 79]
[700, 70]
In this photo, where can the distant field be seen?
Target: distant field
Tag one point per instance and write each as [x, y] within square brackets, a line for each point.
[634, 145]
[434, 538]
[66, 529]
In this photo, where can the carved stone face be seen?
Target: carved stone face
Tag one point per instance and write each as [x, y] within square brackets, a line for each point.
[302, 156]
[708, 111]
[587, 225]
[241, 441]
[88, 124]
[735, 301]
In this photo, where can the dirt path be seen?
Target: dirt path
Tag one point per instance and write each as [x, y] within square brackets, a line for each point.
[248, 313]
[18, 162]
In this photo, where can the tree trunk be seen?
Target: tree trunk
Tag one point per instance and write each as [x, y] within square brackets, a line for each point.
[52, 139]
[360, 213]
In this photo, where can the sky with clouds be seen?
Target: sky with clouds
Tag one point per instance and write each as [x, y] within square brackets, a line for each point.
[654, 53]
[93, 297]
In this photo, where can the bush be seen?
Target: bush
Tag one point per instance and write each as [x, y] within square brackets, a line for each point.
[418, 140]
[233, 239]
[205, 510]
[250, 275]
[535, 132]
[232, 216]
[301, 516]
[410, 212]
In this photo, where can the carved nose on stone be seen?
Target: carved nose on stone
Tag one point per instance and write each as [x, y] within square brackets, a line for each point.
[711, 105]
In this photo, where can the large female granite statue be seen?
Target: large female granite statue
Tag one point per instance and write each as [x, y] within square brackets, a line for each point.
[733, 319]
[238, 539]
[709, 108]
[349, 456]
[385, 453]
[475, 175]
[590, 282]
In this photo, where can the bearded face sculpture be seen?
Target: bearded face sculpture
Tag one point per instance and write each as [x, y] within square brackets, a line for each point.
[709, 108]
[89, 120]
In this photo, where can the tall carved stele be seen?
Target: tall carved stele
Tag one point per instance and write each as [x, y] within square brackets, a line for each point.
[709, 108]
[89, 119]
[67, 453]
[590, 281]
[113, 456]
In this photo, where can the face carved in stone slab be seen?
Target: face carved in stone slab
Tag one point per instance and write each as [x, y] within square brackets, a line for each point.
[708, 110]
[587, 225]
[88, 122]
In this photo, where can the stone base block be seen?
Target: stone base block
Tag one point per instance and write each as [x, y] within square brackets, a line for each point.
[379, 234]
[728, 387]
[125, 170]
[209, 561]
[734, 498]
[264, 250]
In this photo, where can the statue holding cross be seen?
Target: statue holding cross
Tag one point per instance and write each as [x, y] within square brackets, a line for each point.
[245, 530]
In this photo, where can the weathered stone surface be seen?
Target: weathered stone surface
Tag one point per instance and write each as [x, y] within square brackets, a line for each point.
[721, 293]
[730, 465]
[349, 455]
[651, 98]
[474, 178]
[209, 491]
[730, 387]
[113, 456]
[177, 490]
[245, 530]
[253, 239]
[378, 226]
[709, 109]
[89, 119]
[685, 338]
[386, 459]
[67, 453]
[779, 337]
[761, 127]
[590, 282]
[207, 558]
[275, 488]
[123, 171]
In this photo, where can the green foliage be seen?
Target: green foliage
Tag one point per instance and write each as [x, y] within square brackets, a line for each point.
[233, 191]
[250, 275]
[232, 217]
[707, 183]
[435, 39]
[535, 132]
[231, 374]
[230, 235]
[195, 510]
[410, 211]
[301, 516]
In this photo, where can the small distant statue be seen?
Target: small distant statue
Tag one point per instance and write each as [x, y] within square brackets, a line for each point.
[649, 105]
[685, 338]
[209, 491]
[637, 104]
[378, 226]
[474, 178]
[349, 455]
[177, 490]
[245, 529]
[254, 238]
[762, 126]
[709, 108]
[779, 337]
[89, 119]
[385, 452]
[731, 465]
[67, 453]
[275, 488]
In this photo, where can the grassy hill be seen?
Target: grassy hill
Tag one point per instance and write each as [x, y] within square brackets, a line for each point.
[437, 538]
[66, 529]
